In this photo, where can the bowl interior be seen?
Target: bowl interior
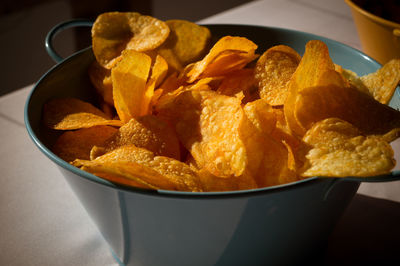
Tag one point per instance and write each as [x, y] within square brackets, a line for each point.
[69, 78]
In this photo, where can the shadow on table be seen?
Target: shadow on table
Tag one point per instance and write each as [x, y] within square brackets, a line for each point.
[367, 234]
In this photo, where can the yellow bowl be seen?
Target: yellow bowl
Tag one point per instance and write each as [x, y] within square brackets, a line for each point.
[380, 38]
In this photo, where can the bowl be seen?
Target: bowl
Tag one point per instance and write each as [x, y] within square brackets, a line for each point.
[380, 38]
[286, 224]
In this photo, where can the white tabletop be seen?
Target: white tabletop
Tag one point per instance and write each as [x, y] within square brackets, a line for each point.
[43, 223]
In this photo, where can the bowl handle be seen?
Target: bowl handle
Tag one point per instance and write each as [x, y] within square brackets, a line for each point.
[58, 28]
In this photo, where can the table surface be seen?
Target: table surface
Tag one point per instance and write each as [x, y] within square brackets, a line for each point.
[43, 223]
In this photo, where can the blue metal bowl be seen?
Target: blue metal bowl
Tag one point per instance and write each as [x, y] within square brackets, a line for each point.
[276, 225]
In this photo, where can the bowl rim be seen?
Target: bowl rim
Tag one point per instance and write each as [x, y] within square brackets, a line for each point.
[371, 16]
[171, 193]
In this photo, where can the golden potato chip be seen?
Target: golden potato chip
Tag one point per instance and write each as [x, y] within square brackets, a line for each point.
[207, 124]
[171, 83]
[114, 32]
[121, 179]
[347, 103]
[211, 182]
[214, 183]
[159, 70]
[241, 80]
[268, 159]
[149, 132]
[129, 79]
[159, 171]
[281, 132]
[146, 107]
[227, 62]
[127, 173]
[384, 81]
[226, 50]
[314, 63]
[352, 79]
[292, 164]
[337, 150]
[186, 43]
[71, 113]
[261, 115]
[77, 144]
[168, 98]
[273, 71]
[174, 65]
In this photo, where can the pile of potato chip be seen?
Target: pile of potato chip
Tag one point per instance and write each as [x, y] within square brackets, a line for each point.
[177, 112]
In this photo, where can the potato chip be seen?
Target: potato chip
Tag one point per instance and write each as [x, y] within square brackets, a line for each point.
[77, 144]
[269, 158]
[71, 113]
[121, 179]
[114, 32]
[384, 81]
[214, 183]
[227, 62]
[241, 80]
[168, 98]
[314, 63]
[158, 171]
[207, 124]
[281, 132]
[225, 54]
[261, 115]
[337, 150]
[159, 70]
[186, 43]
[127, 173]
[349, 104]
[353, 80]
[149, 132]
[129, 79]
[273, 71]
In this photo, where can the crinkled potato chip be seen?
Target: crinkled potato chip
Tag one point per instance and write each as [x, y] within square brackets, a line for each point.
[127, 173]
[214, 183]
[186, 43]
[238, 81]
[129, 79]
[314, 63]
[168, 172]
[71, 113]
[261, 115]
[114, 32]
[149, 132]
[232, 46]
[273, 71]
[337, 150]
[227, 62]
[380, 84]
[213, 138]
[268, 158]
[159, 70]
[383, 82]
[77, 144]
[168, 98]
[349, 104]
